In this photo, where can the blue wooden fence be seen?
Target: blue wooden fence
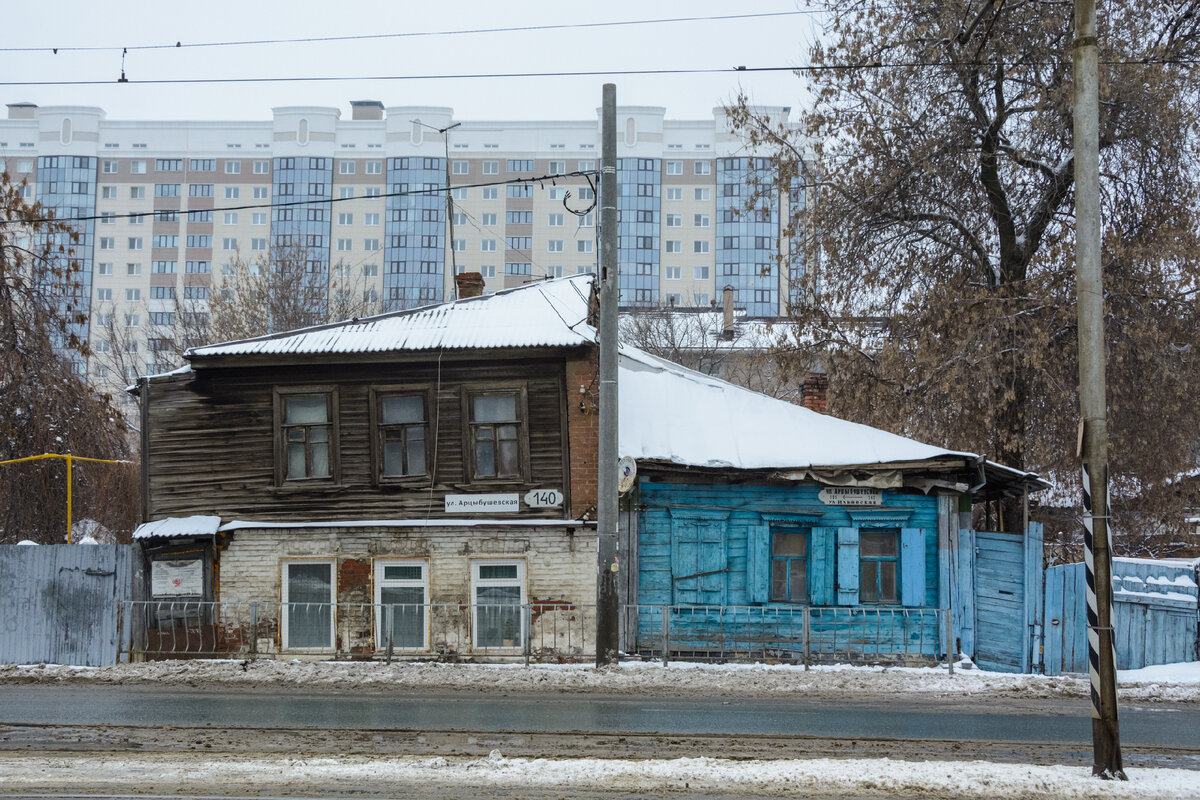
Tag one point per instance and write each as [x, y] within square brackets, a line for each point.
[1155, 614]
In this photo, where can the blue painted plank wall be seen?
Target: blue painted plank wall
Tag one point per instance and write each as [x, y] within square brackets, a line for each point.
[748, 506]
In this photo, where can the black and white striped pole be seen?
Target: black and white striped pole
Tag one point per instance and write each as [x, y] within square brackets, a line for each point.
[1102, 663]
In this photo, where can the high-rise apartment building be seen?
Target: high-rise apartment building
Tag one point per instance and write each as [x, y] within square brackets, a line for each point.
[176, 203]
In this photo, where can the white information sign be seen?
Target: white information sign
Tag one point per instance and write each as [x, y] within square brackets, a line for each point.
[177, 578]
[850, 496]
[544, 498]
[483, 503]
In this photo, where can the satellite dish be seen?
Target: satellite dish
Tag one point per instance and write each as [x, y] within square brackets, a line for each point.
[626, 474]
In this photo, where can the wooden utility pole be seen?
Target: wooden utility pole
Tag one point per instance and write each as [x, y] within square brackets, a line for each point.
[607, 505]
[1106, 740]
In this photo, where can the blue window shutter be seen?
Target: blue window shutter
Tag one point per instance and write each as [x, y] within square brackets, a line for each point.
[758, 562]
[847, 566]
[821, 555]
[698, 558]
[912, 566]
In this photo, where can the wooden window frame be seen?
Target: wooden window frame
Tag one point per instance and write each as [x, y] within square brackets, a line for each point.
[520, 389]
[376, 394]
[335, 466]
[879, 561]
[790, 530]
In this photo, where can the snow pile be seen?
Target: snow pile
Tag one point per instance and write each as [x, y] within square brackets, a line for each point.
[1175, 683]
[778, 778]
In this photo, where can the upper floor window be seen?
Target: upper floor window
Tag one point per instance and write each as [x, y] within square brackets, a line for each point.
[400, 425]
[306, 434]
[496, 434]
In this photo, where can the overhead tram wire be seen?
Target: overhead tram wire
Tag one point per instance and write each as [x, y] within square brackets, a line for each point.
[179, 45]
[586, 174]
[871, 65]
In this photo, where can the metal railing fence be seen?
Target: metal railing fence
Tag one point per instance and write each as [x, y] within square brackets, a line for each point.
[547, 631]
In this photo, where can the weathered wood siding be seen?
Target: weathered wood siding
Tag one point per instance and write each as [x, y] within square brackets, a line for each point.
[211, 440]
[721, 535]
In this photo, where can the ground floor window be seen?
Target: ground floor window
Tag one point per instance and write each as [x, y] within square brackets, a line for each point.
[308, 597]
[789, 565]
[497, 594]
[401, 595]
[879, 560]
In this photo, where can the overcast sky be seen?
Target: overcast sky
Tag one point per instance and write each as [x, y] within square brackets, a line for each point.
[771, 41]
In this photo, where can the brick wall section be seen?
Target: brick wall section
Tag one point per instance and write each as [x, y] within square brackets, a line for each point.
[814, 390]
[583, 432]
[560, 571]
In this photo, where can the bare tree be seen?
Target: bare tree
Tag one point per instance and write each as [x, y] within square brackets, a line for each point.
[942, 138]
[288, 289]
[47, 406]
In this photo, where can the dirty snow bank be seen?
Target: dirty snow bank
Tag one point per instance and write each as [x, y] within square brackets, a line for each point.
[1176, 683]
[778, 778]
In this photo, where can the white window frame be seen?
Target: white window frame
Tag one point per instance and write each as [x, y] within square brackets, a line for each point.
[674, 167]
[674, 193]
[478, 583]
[380, 583]
[460, 168]
[284, 622]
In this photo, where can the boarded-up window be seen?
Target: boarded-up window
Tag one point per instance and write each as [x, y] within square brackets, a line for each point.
[699, 569]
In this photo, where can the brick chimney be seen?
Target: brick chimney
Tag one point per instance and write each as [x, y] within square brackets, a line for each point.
[470, 284]
[813, 391]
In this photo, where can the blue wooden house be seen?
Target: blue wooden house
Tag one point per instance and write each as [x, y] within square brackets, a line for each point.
[760, 528]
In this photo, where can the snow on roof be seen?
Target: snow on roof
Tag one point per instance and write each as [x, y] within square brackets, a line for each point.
[546, 314]
[171, 527]
[669, 413]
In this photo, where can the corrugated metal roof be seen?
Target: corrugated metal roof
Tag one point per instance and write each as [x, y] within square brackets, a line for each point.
[548, 314]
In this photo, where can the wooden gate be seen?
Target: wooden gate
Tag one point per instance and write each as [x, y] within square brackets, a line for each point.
[1001, 608]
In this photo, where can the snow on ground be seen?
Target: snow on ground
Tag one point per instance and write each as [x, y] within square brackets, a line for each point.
[776, 778]
[1170, 683]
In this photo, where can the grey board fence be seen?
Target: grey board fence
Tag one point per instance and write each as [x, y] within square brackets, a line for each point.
[1156, 618]
[59, 603]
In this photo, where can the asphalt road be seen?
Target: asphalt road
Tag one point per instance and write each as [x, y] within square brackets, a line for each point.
[1042, 720]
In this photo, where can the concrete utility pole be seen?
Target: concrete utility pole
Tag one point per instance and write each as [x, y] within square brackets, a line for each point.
[1106, 740]
[607, 505]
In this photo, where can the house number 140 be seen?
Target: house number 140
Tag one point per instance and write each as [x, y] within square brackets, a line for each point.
[544, 498]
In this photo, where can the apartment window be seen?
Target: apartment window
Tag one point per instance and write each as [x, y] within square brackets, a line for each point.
[674, 273]
[374, 168]
[345, 167]
[104, 294]
[162, 317]
[703, 194]
[488, 270]
[166, 190]
[262, 167]
[133, 269]
[518, 268]
[161, 293]
[137, 219]
[107, 242]
[703, 167]
[103, 321]
[166, 241]
[370, 270]
[789, 565]
[195, 292]
[198, 267]
[261, 193]
[231, 192]
[308, 595]
[878, 565]
[134, 243]
[700, 246]
[554, 245]
[371, 219]
[137, 192]
[107, 167]
[168, 164]
[202, 165]
[345, 218]
[518, 242]
[133, 295]
[200, 215]
[491, 192]
[104, 268]
[458, 194]
[519, 165]
[258, 244]
[401, 594]
[700, 273]
[137, 167]
[674, 220]
[497, 595]
[400, 429]
[233, 166]
[518, 190]
[132, 321]
[729, 242]
[108, 192]
[674, 167]
[459, 167]
[230, 218]
[163, 267]
[229, 243]
[700, 299]
[554, 271]
[491, 167]
[674, 246]
[306, 435]
[488, 245]
[460, 245]
[496, 434]
[583, 245]
[587, 166]
[674, 192]
[199, 240]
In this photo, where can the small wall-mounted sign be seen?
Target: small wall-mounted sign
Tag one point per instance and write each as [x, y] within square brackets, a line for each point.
[483, 503]
[177, 578]
[850, 496]
[544, 498]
